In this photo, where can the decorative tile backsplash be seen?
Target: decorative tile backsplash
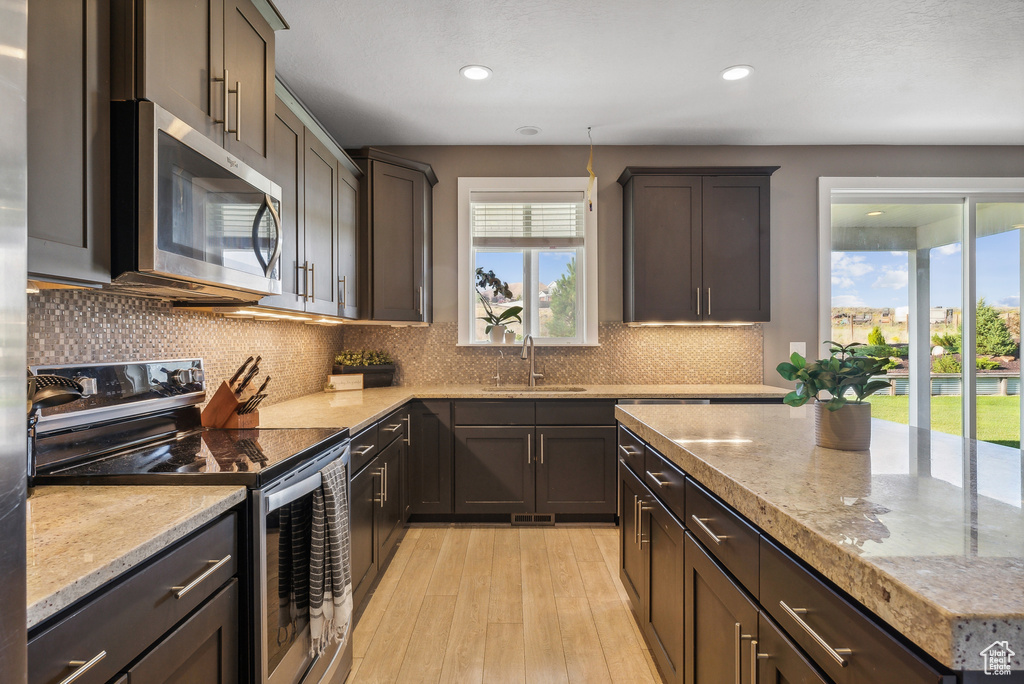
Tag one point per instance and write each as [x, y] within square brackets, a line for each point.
[647, 355]
[72, 326]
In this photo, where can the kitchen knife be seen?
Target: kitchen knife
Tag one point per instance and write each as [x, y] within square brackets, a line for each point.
[248, 378]
[238, 373]
[250, 404]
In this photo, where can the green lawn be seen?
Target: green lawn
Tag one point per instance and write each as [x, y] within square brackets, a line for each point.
[998, 417]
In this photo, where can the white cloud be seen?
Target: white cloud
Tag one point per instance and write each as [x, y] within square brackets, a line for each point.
[948, 250]
[847, 300]
[898, 254]
[1012, 301]
[842, 282]
[891, 279]
[849, 265]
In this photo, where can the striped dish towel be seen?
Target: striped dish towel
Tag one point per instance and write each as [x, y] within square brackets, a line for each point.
[330, 582]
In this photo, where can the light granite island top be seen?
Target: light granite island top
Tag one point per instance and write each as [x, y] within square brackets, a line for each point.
[926, 530]
[80, 538]
[357, 409]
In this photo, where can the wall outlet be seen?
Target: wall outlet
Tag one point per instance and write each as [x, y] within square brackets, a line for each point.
[798, 347]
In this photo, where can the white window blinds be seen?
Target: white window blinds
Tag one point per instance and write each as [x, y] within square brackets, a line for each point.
[552, 219]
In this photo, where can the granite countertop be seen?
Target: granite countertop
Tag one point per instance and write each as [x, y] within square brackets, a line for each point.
[80, 538]
[926, 529]
[357, 409]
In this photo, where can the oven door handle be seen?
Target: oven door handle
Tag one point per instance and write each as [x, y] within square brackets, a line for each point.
[292, 492]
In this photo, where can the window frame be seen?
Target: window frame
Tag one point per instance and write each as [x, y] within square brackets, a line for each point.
[587, 291]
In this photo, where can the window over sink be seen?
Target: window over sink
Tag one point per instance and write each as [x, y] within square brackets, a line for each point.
[538, 235]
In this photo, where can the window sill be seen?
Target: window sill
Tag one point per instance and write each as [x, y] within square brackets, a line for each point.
[487, 345]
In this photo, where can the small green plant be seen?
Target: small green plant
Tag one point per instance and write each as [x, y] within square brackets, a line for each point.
[993, 335]
[879, 351]
[948, 341]
[875, 337]
[947, 363]
[891, 362]
[486, 280]
[986, 364]
[842, 372]
[362, 357]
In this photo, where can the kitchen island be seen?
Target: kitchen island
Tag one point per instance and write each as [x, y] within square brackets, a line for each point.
[925, 530]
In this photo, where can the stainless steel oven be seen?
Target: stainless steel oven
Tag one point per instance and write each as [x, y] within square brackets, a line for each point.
[283, 516]
[190, 221]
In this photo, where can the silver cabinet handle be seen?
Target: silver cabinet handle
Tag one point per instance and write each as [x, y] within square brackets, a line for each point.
[312, 279]
[709, 301]
[238, 109]
[305, 279]
[542, 448]
[364, 450]
[717, 538]
[654, 476]
[419, 302]
[738, 653]
[836, 653]
[636, 520]
[82, 666]
[225, 100]
[629, 451]
[380, 471]
[408, 429]
[392, 428]
[385, 489]
[344, 292]
[529, 450]
[698, 301]
[754, 657]
[643, 508]
[214, 567]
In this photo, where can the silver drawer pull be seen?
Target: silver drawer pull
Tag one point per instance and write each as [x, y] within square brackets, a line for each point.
[654, 476]
[392, 428]
[364, 450]
[83, 667]
[216, 565]
[629, 451]
[717, 538]
[836, 653]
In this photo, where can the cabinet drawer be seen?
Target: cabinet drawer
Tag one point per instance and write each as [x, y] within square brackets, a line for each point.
[576, 412]
[133, 613]
[393, 427]
[364, 447]
[732, 540]
[494, 413]
[874, 656]
[666, 481]
[631, 450]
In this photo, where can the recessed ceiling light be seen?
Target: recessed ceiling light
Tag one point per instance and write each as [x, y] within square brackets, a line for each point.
[528, 130]
[875, 213]
[475, 72]
[735, 73]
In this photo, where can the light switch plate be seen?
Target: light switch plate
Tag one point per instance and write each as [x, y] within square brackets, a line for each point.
[798, 347]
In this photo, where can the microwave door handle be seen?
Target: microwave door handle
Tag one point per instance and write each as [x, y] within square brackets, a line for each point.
[267, 265]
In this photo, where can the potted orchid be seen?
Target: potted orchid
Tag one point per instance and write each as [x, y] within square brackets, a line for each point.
[497, 321]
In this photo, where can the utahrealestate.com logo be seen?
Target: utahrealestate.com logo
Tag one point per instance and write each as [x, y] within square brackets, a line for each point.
[997, 658]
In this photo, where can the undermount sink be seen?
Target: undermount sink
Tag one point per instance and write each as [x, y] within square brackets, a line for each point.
[538, 388]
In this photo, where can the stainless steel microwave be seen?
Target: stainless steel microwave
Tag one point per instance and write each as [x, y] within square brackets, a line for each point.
[190, 222]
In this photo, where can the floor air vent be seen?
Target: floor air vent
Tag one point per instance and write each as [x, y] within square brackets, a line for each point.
[533, 518]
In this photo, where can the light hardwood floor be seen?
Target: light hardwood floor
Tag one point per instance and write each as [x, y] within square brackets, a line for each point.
[501, 604]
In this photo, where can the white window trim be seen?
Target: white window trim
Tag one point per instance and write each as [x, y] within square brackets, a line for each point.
[968, 190]
[466, 283]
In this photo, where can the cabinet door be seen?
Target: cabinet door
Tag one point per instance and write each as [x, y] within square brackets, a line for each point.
[494, 470]
[286, 160]
[736, 219]
[779, 660]
[398, 261]
[664, 536]
[69, 140]
[662, 249]
[364, 498]
[632, 566]
[348, 283]
[576, 470]
[320, 224]
[390, 513]
[720, 622]
[182, 61]
[429, 475]
[249, 61]
[202, 650]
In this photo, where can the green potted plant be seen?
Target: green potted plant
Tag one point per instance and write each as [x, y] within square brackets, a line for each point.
[496, 322]
[376, 367]
[839, 422]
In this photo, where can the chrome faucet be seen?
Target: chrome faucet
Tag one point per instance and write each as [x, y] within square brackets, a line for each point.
[529, 353]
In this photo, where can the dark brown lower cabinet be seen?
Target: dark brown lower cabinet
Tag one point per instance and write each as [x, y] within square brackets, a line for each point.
[663, 539]
[779, 661]
[363, 494]
[576, 470]
[391, 515]
[631, 557]
[720, 622]
[429, 475]
[494, 470]
[202, 650]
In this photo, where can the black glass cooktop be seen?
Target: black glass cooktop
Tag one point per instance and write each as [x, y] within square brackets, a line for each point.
[202, 456]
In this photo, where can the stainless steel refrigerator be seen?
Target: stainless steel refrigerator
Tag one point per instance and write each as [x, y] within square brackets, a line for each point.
[13, 263]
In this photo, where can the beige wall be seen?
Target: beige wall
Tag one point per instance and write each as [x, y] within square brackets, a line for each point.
[794, 208]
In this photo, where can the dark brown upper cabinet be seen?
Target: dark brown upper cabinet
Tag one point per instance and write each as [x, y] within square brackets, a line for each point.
[394, 237]
[209, 62]
[696, 244]
[69, 141]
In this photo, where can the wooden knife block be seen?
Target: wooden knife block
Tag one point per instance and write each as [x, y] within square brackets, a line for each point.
[222, 410]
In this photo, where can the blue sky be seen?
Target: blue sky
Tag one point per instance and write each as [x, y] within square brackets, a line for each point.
[879, 279]
[509, 265]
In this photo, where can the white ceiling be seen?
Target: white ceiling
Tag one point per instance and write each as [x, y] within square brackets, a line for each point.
[647, 72]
